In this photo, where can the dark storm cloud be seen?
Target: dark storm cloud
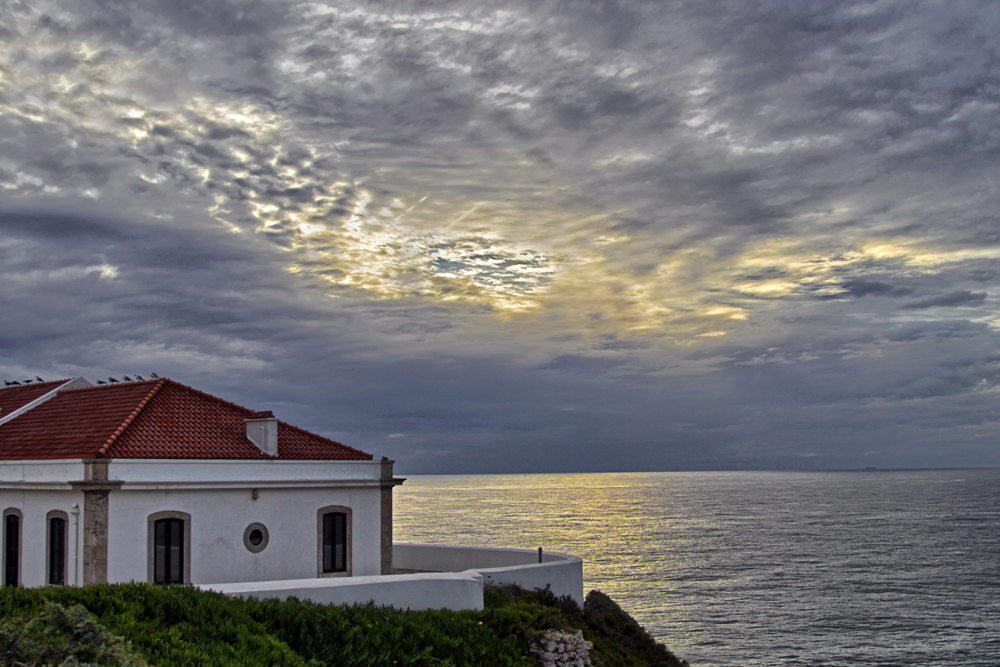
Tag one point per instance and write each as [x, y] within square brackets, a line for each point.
[56, 227]
[957, 298]
[116, 275]
[859, 288]
[520, 235]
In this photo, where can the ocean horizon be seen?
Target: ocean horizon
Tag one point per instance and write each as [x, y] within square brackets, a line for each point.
[828, 568]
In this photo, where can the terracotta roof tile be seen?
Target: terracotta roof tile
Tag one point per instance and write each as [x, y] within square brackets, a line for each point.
[12, 398]
[152, 419]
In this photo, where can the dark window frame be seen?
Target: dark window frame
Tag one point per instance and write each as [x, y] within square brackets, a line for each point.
[339, 521]
[56, 548]
[168, 551]
[334, 542]
[12, 519]
[181, 551]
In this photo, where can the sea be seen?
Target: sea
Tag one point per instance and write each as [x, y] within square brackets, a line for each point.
[833, 569]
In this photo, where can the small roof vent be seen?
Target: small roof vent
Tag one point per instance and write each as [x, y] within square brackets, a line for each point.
[262, 430]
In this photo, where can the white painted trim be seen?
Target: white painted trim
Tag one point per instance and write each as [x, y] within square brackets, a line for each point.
[75, 383]
[240, 471]
[196, 486]
[202, 486]
[170, 474]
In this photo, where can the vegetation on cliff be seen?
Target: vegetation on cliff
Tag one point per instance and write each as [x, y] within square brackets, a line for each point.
[131, 625]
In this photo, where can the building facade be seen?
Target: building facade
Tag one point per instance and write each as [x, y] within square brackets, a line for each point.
[155, 481]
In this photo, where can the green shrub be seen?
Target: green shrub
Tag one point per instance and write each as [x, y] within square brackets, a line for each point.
[65, 637]
[181, 625]
[171, 625]
[619, 641]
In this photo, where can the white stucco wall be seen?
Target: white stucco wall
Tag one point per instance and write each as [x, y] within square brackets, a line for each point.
[219, 518]
[218, 496]
[46, 473]
[34, 505]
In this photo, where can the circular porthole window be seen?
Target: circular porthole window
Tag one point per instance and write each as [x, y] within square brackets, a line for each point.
[255, 537]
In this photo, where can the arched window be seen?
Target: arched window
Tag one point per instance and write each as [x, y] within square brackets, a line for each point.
[56, 540]
[168, 555]
[12, 547]
[334, 541]
[169, 548]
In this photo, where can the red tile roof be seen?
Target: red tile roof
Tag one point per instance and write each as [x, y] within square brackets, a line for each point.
[12, 398]
[155, 419]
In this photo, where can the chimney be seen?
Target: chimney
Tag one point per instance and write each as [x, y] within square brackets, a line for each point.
[262, 430]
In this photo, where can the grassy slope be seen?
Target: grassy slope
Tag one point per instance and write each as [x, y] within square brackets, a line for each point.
[179, 625]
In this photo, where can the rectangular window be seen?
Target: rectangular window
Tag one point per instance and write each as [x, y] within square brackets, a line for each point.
[335, 542]
[12, 549]
[57, 551]
[168, 551]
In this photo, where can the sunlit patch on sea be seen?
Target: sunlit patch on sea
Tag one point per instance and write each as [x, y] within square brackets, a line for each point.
[874, 568]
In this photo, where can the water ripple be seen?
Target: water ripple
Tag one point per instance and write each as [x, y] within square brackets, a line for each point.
[874, 568]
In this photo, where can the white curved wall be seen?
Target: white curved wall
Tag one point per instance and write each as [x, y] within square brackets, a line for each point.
[454, 579]
[562, 572]
[439, 590]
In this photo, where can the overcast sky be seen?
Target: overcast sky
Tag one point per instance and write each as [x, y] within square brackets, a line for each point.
[517, 236]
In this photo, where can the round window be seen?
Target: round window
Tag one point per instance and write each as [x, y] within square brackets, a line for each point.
[255, 537]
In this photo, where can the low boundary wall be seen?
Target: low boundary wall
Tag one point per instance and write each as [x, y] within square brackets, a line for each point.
[449, 577]
[439, 590]
[563, 573]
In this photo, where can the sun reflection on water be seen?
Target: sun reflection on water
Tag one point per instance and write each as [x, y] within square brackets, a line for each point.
[755, 568]
[600, 518]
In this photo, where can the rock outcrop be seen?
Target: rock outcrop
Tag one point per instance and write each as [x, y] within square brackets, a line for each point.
[560, 649]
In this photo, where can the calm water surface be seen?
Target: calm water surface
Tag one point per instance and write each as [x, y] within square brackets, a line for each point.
[834, 568]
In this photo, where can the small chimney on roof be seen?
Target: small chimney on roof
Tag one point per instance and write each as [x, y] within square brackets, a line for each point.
[262, 430]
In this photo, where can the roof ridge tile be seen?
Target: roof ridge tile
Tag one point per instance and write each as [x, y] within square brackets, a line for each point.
[103, 451]
[106, 386]
[208, 395]
[317, 435]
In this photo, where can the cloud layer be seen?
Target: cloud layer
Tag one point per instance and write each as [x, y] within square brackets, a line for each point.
[520, 235]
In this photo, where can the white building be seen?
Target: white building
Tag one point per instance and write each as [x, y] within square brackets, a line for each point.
[155, 481]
